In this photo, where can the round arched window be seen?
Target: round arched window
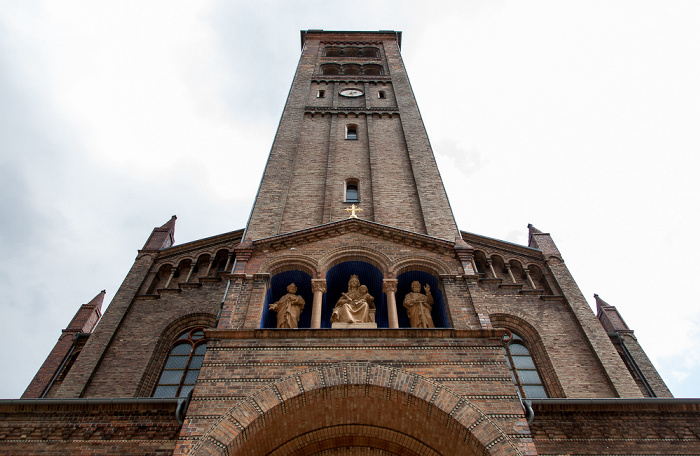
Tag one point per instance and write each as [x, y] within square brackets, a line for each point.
[522, 368]
[183, 365]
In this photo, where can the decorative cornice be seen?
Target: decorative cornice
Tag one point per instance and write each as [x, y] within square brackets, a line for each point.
[351, 77]
[381, 333]
[485, 242]
[350, 109]
[208, 242]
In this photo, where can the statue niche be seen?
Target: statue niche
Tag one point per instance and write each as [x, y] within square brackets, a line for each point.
[355, 308]
[419, 306]
[288, 308]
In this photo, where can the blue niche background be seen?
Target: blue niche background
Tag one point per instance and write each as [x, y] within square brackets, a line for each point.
[337, 280]
[439, 312]
[278, 288]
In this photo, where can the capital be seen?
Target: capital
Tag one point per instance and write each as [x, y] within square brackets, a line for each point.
[390, 285]
[318, 285]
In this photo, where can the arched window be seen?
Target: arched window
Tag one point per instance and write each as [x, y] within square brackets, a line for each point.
[352, 193]
[370, 52]
[182, 367]
[522, 367]
[332, 51]
[372, 70]
[330, 68]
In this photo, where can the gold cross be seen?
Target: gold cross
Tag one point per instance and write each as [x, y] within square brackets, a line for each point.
[353, 209]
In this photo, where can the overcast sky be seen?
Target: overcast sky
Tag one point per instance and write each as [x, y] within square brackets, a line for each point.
[580, 117]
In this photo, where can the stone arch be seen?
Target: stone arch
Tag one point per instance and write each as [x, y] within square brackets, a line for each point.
[160, 351]
[160, 277]
[381, 401]
[519, 324]
[290, 262]
[343, 254]
[481, 263]
[418, 263]
[538, 276]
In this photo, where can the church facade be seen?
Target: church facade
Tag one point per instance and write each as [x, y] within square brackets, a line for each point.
[350, 316]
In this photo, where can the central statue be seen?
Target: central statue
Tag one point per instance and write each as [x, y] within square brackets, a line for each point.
[355, 306]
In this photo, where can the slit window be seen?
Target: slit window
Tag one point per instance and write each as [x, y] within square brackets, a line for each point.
[351, 132]
[381, 94]
[321, 94]
[352, 195]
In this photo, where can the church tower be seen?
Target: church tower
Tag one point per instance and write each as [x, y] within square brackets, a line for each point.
[350, 133]
[350, 315]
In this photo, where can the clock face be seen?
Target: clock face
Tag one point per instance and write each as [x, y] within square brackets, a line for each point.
[351, 92]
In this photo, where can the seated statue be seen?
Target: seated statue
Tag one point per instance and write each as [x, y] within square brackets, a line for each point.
[289, 308]
[355, 306]
[419, 306]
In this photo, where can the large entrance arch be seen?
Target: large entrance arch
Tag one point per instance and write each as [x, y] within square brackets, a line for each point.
[363, 408]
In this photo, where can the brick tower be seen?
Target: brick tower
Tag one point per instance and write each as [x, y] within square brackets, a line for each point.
[351, 316]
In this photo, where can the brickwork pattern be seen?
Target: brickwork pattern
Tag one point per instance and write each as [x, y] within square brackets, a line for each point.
[446, 379]
[400, 184]
[86, 428]
[598, 341]
[77, 379]
[642, 428]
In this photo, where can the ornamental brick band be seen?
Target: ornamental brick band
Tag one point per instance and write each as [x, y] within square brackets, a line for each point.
[375, 398]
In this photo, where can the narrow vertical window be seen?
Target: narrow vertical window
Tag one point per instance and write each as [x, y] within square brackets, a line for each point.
[183, 364]
[381, 94]
[523, 369]
[321, 94]
[351, 132]
[352, 194]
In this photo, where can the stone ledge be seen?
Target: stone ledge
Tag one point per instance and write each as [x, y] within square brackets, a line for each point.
[147, 297]
[552, 297]
[168, 290]
[369, 325]
[379, 333]
[511, 286]
[531, 292]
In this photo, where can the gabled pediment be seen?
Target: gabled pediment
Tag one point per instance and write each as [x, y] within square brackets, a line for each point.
[354, 225]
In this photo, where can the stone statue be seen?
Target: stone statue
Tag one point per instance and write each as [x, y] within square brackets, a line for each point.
[355, 306]
[419, 306]
[289, 308]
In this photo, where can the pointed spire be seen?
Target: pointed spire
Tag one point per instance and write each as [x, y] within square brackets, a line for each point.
[599, 303]
[609, 317]
[162, 237]
[87, 315]
[170, 224]
[532, 231]
[96, 302]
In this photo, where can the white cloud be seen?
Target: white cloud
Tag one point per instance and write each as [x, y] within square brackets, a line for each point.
[578, 117]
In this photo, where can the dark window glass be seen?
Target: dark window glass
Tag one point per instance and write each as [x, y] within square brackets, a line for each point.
[351, 193]
[182, 366]
[382, 94]
[522, 369]
[351, 132]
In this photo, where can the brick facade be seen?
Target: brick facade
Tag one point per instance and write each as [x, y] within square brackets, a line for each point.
[323, 391]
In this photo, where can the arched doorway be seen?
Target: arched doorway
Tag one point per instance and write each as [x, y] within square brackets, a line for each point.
[360, 408]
